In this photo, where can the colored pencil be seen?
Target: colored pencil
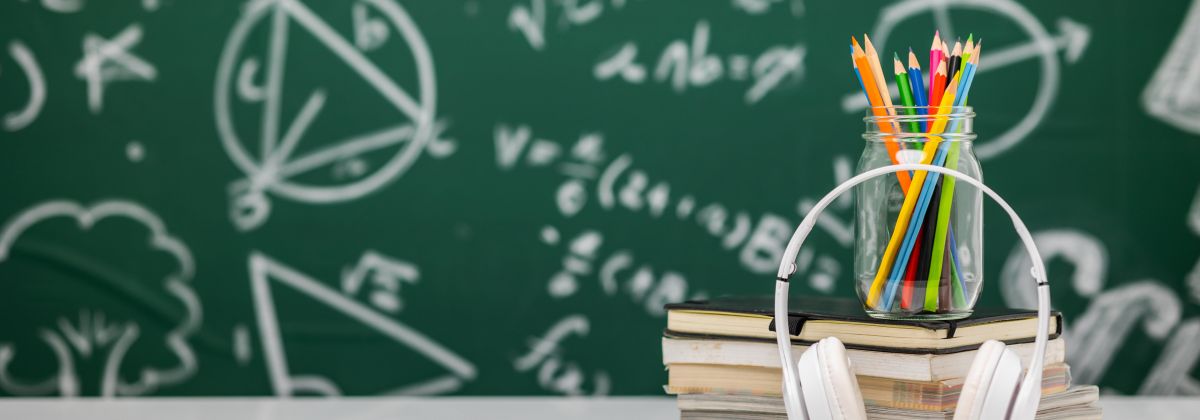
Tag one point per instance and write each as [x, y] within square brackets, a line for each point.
[906, 95]
[968, 48]
[910, 280]
[944, 288]
[877, 71]
[862, 64]
[955, 62]
[938, 85]
[920, 96]
[935, 57]
[858, 76]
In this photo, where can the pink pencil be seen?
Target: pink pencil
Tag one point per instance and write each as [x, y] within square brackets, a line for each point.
[935, 58]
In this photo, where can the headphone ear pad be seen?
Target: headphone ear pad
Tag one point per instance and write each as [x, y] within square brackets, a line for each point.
[827, 373]
[1003, 389]
[976, 386]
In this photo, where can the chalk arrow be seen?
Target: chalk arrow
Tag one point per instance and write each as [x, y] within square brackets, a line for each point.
[1072, 38]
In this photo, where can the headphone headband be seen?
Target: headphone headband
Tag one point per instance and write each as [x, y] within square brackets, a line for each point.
[1028, 395]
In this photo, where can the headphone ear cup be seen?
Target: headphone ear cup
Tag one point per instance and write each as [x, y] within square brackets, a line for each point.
[847, 399]
[827, 379]
[976, 386]
[812, 384]
[1003, 389]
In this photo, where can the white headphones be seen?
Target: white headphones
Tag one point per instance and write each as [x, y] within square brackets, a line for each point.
[826, 379]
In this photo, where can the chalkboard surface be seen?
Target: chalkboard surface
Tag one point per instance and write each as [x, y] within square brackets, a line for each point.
[292, 197]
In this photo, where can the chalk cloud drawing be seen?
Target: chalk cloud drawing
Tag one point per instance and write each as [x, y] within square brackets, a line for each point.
[99, 336]
[272, 168]
[1112, 315]
[1072, 39]
[110, 60]
[1173, 94]
[267, 273]
[18, 119]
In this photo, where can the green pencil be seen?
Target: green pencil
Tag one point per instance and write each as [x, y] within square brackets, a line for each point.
[906, 94]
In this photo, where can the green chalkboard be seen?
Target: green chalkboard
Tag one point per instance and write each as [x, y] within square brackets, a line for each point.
[367, 197]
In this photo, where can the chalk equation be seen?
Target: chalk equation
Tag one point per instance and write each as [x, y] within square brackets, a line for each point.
[554, 373]
[593, 176]
[267, 275]
[357, 162]
[685, 64]
[100, 332]
[617, 273]
[529, 17]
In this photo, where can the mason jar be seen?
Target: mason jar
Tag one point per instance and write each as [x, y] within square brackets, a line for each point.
[918, 249]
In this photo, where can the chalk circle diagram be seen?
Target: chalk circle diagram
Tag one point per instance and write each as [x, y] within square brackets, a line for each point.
[1072, 39]
[274, 168]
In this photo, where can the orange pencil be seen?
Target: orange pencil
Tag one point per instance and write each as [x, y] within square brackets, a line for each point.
[862, 64]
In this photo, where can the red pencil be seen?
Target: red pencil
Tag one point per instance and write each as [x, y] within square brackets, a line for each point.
[910, 275]
[938, 84]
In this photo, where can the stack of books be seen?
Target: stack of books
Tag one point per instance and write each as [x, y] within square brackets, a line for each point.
[722, 360]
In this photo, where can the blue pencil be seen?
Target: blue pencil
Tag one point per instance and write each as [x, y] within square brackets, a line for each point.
[918, 87]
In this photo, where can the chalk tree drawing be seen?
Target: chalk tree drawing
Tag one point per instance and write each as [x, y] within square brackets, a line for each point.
[1173, 94]
[1100, 330]
[1072, 39]
[273, 168]
[101, 335]
[105, 61]
[266, 273]
[18, 119]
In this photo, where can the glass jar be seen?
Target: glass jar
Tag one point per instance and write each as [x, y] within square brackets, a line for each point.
[919, 235]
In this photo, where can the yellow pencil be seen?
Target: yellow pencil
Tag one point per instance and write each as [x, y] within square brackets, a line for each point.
[914, 191]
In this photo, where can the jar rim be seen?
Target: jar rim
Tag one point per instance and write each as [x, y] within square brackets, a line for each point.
[899, 113]
[919, 124]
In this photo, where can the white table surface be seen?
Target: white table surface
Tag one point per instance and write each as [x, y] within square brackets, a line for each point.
[447, 408]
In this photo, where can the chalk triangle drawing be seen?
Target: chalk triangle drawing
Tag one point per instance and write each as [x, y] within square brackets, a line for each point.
[266, 273]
